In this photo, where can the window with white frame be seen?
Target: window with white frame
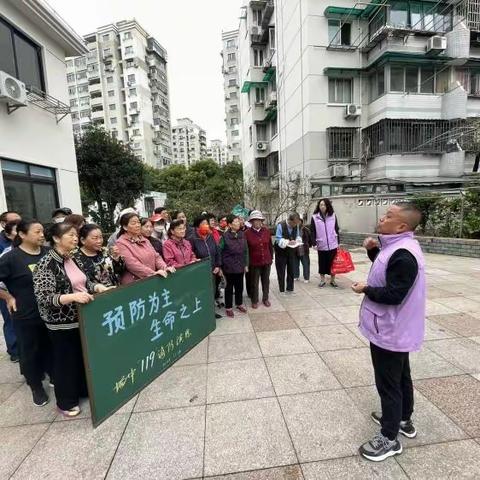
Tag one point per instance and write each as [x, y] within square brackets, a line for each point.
[257, 17]
[259, 95]
[257, 57]
[230, 43]
[112, 106]
[231, 57]
[131, 78]
[132, 92]
[111, 93]
[128, 50]
[127, 36]
[109, 79]
[339, 33]
[340, 90]
[419, 79]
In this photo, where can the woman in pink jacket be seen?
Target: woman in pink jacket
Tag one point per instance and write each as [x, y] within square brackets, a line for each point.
[176, 250]
[140, 257]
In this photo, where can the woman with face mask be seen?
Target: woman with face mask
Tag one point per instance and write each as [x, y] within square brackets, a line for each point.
[160, 227]
[204, 246]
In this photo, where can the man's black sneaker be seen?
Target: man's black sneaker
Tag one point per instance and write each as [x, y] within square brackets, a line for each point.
[40, 398]
[407, 428]
[379, 448]
[14, 358]
[217, 316]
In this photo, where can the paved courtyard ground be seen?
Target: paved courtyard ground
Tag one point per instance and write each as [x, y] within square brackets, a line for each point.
[282, 393]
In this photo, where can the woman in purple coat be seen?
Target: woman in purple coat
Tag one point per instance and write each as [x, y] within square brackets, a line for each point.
[324, 228]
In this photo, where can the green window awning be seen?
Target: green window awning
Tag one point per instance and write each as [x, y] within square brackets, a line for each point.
[339, 12]
[248, 85]
[271, 115]
[269, 74]
[340, 72]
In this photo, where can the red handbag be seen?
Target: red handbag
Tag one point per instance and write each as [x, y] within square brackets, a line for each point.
[342, 263]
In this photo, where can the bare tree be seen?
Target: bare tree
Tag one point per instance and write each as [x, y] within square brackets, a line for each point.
[278, 195]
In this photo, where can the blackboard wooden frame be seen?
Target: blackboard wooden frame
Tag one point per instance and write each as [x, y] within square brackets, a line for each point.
[204, 281]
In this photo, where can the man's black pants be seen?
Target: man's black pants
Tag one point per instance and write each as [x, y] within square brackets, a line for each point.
[394, 385]
[285, 261]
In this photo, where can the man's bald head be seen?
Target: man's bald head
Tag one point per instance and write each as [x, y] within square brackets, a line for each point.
[401, 217]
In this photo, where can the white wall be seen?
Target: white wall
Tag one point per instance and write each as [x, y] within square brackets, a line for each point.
[31, 134]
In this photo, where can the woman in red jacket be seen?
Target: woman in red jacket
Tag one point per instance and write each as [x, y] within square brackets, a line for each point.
[260, 250]
[140, 257]
[177, 251]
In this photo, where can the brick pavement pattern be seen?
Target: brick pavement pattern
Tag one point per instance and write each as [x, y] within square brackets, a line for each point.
[283, 393]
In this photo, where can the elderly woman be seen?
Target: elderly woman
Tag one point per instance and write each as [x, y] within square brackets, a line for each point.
[260, 253]
[100, 264]
[177, 250]
[60, 285]
[140, 257]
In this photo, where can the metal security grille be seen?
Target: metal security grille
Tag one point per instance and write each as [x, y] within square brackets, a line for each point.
[342, 143]
[419, 136]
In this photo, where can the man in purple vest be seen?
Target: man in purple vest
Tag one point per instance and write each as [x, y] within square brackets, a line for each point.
[392, 318]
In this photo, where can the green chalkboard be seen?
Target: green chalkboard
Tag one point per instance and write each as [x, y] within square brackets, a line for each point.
[130, 335]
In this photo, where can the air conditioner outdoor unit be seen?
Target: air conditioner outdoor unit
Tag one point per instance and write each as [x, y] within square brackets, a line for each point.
[273, 98]
[262, 146]
[436, 44]
[12, 91]
[352, 110]
[339, 171]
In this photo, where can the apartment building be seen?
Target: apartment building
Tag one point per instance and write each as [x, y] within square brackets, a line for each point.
[122, 84]
[38, 168]
[219, 152]
[378, 97]
[189, 142]
[257, 63]
[231, 87]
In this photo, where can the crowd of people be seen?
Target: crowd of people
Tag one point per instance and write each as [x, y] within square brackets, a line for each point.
[46, 271]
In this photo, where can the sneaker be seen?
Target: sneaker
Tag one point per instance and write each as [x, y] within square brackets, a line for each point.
[229, 312]
[40, 397]
[241, 308]
[254, 305]
[306, 281]
[73, 412]
[379, 448]
[289, 292]
[217, 316]
[333, 284]
[407, 428]
[14, 358]
[322, 284]
[267, 303]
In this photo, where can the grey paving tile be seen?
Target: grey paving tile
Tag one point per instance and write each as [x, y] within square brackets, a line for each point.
[238, 380]
[240, 323]
[268, 322]
[345, 314]
[313, 318]
[296, 301]
[246, 435]
[196, 356]
[433, 426]
[177, 387]
[19, 409]
[461, 352]
[352, 468]
[354, 329]
[453, 460]
[435, 292]
[427, 364]
[292, 472]
[475, 339]
[300, 373]
[435, 331]
[331, 337]
[436, 308]
[324, 424]
[346, 300]
[352, 367]
[6, 389]
[74, 450]
[460, 303]
[161, 445]
[458, 397]
[240, 346]
[460, 323]
[283, 342]
[17, 442]
[276, 306]
[9, 372]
